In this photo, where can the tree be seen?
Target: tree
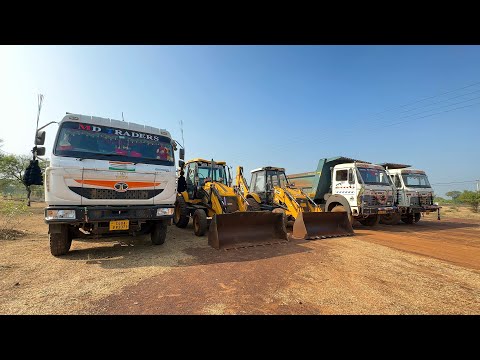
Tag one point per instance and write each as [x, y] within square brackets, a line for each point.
[12, 169]
[454, 194]
[472, 198]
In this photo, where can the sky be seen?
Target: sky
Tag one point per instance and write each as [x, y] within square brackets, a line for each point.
[256, 106]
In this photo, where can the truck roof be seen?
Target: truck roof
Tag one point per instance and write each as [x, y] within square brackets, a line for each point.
[406, 171]
[205, 161]
[274, 168]
[394, 166]
[95, 120]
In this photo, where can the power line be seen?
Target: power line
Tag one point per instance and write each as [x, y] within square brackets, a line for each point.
[455, 182]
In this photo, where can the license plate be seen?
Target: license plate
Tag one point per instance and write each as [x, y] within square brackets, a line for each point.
[119, 225]
[382, 212]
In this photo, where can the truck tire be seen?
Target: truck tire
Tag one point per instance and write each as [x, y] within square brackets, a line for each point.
[341, 208]
[159, 232]
[417, 217]
[253, 205]
[60, 243]
[200, 223]
[408, 219]
[390, 219]
[372, 220]
[180, 216]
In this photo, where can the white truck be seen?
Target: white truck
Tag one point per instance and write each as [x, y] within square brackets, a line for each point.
[360, 188]
[108, 177]
[413, 194]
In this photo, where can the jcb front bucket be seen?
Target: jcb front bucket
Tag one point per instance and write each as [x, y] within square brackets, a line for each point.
[246, 229]
[317, 225]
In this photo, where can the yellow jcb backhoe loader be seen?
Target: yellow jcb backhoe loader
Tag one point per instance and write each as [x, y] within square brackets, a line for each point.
[270, 188]
[235, 221]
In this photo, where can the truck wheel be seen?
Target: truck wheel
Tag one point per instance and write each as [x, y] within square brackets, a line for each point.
[372, 220]
[253, 205]
[417, 217]
[159, 232]
[200, 223]
[390, 219]
[341, 208]
[60, 243]
[180, 216]
[408, 219]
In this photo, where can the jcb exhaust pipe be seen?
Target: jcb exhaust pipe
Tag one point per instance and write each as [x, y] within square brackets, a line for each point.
[246, 229]
[317, 225]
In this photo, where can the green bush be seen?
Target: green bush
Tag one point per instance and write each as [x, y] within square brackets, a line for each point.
[471, 198]
[10, 217]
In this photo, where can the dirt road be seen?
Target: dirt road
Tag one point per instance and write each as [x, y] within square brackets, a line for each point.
[432, 267]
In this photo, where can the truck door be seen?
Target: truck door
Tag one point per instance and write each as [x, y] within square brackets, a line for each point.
[340, 181]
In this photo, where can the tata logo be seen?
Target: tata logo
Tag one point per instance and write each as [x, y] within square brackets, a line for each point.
[121, 187]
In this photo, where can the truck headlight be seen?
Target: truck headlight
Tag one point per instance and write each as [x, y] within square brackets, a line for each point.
[60, 214]
[164, 211]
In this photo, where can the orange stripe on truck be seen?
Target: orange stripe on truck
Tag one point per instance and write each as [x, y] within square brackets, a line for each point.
[111, 183]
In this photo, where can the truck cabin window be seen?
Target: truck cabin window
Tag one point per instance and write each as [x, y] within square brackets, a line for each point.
[373, 176]
[106, 143]
[416, 180]
[342, 175]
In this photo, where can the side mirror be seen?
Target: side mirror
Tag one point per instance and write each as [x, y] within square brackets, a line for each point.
[40, 150]
[181, 164]
[182, 154]
[350, 177]
[40, 138]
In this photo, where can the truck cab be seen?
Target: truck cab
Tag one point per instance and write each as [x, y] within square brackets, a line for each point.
[360, 188]
[108, 177]
[414, 193]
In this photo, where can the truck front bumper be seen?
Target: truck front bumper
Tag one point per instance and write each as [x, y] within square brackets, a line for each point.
[93, 214]
[379, 210]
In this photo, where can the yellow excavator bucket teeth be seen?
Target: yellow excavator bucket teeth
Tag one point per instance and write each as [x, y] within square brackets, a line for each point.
[246, 229]
[318, 225]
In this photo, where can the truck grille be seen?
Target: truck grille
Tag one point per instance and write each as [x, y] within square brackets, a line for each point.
[373, 200]
[95, 194]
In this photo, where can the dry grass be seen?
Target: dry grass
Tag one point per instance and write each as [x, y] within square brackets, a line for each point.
[347, 276]
[34, 282]
[452, 212]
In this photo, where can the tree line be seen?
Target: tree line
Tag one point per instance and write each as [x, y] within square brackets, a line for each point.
[12, 171]
[466, 197]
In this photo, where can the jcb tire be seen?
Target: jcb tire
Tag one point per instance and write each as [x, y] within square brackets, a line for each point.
[253, 205]
[285, 217]
[408, 219]
[417, 217]
[372, 220]
[159, 232]
[341, 208]
[200, 223]
[180, 216]
[390, 219]
[60, 243]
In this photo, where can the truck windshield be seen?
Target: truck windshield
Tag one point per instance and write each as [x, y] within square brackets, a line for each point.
[218, 174]
[373, 176]
[415, 180]
[100, 142]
